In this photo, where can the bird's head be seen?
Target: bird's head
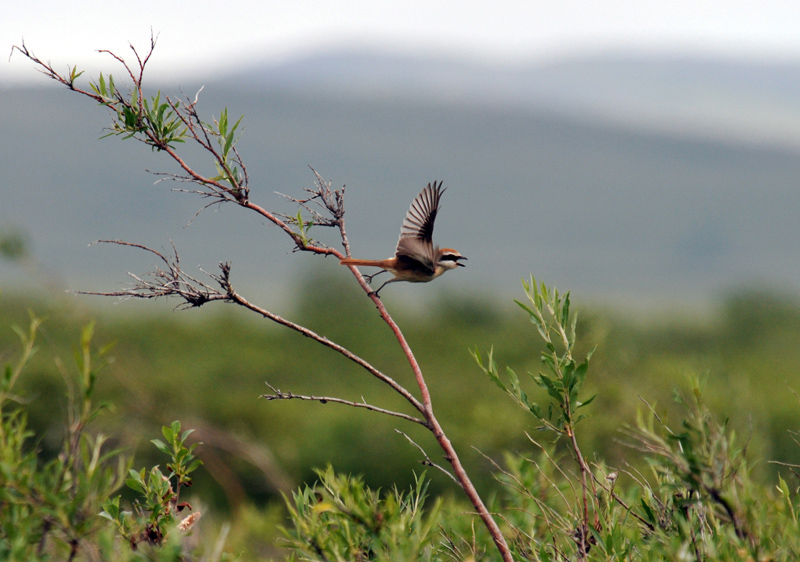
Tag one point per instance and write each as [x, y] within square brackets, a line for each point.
[450, 258]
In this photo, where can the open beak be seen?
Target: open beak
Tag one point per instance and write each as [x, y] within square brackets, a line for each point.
[458, 263]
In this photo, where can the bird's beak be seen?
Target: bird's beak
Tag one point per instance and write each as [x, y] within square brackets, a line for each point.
[458, 263]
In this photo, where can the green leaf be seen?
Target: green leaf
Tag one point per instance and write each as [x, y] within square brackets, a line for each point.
[580, 371]
[512, 377]
[552, 387]
[648, 512]
[135, 482]
[111, 509]
[544, 556]
[525, 307]
[229, 140]
[571, 333]
[598, 538]
[565, 311]
[223, 122]
[567, 373]
[161, 446]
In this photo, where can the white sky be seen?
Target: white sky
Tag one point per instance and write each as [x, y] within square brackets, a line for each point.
[207, 34]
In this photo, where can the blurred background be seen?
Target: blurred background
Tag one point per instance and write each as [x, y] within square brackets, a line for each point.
[643, 155]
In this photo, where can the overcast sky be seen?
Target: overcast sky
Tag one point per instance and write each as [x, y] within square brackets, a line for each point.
[205, 33]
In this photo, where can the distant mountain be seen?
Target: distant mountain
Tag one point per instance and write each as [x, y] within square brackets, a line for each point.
[655, 198]
[719, 99]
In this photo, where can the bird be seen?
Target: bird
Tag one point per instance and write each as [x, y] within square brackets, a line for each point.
[416, 260]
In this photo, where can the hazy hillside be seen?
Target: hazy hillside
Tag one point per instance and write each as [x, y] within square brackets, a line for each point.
[545, 174]
[717, 99]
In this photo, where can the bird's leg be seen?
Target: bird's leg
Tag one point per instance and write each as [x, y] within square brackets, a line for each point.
[369, 278]
[376, 291]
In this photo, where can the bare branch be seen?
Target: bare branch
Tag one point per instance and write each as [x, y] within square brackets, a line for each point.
[331, 202]
[233, 296]
[428, 461]
[278, 395]
[559, 468]
[170, 281]
[620, 501]
[47, 69]
[655, 415]
[548, 512]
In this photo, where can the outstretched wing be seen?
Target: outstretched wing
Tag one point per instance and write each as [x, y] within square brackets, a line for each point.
[422, 214]
[416, 234]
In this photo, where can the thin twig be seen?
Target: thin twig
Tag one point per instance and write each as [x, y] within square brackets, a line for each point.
[278, 395]
[238, 299]
[427, 461]
[558, 467]
[523, 490]
[620, 501]
[171, 281]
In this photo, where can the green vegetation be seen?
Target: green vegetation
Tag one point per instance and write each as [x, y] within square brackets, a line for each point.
[589, 467]
[685, 482]
[211, 366]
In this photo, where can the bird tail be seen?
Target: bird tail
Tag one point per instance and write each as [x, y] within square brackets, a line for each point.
[383, 264]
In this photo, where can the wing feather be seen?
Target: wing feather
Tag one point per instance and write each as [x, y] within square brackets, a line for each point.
[416, 234]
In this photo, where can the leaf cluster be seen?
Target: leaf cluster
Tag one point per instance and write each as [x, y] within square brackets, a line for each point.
[563, 377]
[50, 507]
[341, 519]
[149, 119]
[157, 507]
[60, 508]
[161, 123]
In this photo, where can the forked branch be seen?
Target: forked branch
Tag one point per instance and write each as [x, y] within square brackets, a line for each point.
[169, 280]
[162, 125]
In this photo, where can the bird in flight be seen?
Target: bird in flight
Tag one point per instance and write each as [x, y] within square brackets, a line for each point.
[416, 260]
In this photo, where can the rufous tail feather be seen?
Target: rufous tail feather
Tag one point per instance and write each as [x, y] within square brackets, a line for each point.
[368, 263]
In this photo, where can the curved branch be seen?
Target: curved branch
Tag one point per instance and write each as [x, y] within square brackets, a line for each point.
[235, 297]
[287, 229]
[444, 442]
